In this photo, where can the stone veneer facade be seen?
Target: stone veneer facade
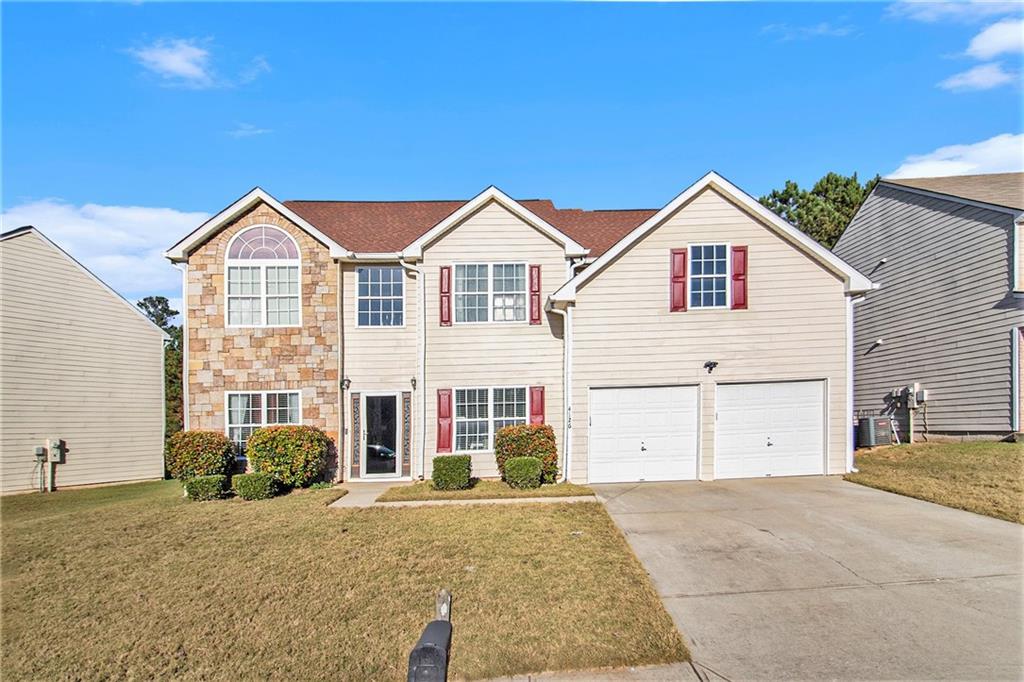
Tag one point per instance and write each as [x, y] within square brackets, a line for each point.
[263, 359]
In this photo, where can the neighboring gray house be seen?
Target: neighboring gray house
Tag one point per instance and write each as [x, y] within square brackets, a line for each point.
[950, 311]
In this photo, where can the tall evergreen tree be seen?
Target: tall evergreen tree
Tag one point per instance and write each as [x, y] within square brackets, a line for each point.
[824, 211]
[158, 309]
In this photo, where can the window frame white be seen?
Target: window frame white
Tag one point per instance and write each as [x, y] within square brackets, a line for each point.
[262, 264]
[490, 415]
[490, 292]
[358, 297]
[263, 412]
[690, 276]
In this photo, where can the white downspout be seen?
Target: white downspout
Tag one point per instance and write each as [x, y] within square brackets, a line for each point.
[421, 369]
[184, 346]
[849, 381]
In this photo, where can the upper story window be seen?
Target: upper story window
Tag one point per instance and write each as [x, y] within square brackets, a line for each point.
[709, 275]
[486, 292]
[263, 287]
[380, 297]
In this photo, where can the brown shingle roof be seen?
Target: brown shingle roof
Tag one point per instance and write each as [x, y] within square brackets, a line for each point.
[388, 226]
[1001, 189]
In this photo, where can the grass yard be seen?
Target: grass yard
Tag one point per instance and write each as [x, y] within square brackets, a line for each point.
[135, 582]
[480, 490]
[981, 477]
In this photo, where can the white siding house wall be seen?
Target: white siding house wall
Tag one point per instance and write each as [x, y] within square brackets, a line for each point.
[76, 363]
[493, 354]
[794, 327]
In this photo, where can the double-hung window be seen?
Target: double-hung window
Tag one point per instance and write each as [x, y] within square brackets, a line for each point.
[263, 288]
[380, 296]
[490, 292]
[709, 275]
[250, 411]
[480, 412]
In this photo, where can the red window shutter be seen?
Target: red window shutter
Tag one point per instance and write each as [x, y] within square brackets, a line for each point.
[446, 295]
[739, 278]
[536, 404]
[535, 312]
[444, 420]
[677, 281]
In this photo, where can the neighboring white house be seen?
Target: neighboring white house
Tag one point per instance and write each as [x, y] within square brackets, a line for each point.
[706, 339]
[79, 364]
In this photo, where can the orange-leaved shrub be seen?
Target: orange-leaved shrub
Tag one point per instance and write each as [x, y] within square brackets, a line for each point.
[199, 453]
[294, 455]
[528, 440]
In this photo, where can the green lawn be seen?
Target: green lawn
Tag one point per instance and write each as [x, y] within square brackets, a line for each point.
[480, 490]
[135, 582]
[982, 477]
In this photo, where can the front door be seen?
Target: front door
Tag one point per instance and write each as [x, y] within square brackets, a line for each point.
[380, 439]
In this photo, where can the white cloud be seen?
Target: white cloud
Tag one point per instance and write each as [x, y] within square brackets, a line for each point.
[786, 32]
[257, 67]
[179, 62]
[122, 245]
[981, 77]
[975, 10]
[248, 130]
[1002, 37]
[1000, 154]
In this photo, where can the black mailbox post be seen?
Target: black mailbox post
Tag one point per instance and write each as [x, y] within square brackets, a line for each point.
[428, 661]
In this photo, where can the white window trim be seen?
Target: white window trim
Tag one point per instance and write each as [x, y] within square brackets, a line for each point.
[263, 411]
[490, 416]
[690, 277]
[356, 306]
[262, 264]
[490, 293]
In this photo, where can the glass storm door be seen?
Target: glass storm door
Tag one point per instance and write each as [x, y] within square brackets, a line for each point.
[380, 449]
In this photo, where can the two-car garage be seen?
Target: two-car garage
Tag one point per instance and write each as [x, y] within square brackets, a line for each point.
[653, 433]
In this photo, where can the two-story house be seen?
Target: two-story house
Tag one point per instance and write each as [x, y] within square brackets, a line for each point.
[949, 316]
[706, 339]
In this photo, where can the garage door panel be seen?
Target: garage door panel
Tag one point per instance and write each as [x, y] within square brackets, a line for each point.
[770, 429]
[643, 433]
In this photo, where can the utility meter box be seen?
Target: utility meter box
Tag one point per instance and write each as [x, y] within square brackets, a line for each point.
[55, 450]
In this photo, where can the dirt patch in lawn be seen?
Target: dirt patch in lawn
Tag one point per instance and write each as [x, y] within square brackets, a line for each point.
[480, 490]
[142, 583]
[981, 477]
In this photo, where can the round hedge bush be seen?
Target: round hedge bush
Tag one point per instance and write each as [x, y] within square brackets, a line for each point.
[199, 453]
[294, 455]
[527, 440]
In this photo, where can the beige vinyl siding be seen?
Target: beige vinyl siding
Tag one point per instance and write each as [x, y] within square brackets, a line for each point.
[794, 327]
[493, 354]
[944, 309]
[379, 359]
[76, 363]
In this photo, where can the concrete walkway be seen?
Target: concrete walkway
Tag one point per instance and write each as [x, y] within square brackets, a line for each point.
[817, 578]
[654, 673]
[366, 494]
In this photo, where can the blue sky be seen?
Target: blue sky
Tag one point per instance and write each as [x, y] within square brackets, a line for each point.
[125, 124]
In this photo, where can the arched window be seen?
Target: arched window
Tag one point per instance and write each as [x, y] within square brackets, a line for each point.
[263, 287]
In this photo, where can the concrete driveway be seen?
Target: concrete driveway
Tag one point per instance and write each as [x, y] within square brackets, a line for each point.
[816, 578]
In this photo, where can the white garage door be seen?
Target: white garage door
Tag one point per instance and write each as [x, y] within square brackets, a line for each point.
[771, 429]
[643, 434]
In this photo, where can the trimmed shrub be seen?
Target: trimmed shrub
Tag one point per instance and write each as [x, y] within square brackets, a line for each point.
[528, 440]
[294, 455]
[256, 486]
[451, 472]
[524, 472]
[321, 485]
[202, 488]
[199, 453]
